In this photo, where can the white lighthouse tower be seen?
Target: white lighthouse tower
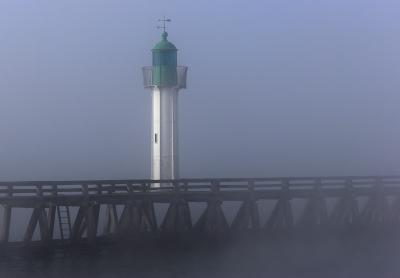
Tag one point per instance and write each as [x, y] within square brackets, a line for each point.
[165, 78]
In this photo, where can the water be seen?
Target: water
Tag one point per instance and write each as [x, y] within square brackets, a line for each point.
[362, 255]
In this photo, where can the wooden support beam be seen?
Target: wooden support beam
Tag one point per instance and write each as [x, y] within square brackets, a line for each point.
[39, 215]
[253, 206]
[6, 220]
[43, 225]
[32, 225]
[111, 225]
[52, 213]
[131, 220]
[169, 224]
[346, 211]
[87, 219]
[247, 217]
[51, 219]
[376, 211]
[92, 218]
[315, 213]
[135, 218]
[148, 216]
[83, 220]
[213, 222]
[5, 224]
[79, 225]
[124, 221]
[282, 216]
[177, 220]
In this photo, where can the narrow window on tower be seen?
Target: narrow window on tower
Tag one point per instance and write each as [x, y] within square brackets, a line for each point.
[155, 138]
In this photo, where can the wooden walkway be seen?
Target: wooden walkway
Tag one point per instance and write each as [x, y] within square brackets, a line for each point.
[129, 206]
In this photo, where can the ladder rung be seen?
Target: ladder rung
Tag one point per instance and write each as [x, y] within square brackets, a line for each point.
[64, 222]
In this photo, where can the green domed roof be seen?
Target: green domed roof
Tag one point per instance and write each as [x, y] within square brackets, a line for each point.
[164, 44]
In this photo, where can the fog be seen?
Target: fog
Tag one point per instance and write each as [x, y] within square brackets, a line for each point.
[275, 88]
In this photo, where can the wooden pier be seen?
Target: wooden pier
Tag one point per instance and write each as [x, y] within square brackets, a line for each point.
[128, 206]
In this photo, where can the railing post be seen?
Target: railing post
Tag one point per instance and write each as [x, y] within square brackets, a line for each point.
[111, 225]
[99, 188]
[52, 211]
[145, 186]
[254, 213]
[43, 219]
[92, 216]
[215, 186]
[215, 190]
[353, 202]
[85, 190]
[39, 191]
[250, 188]
[129, 187]
[288, 206]
[177, 190]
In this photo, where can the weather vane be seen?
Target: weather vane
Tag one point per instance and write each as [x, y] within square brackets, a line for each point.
[163, 22]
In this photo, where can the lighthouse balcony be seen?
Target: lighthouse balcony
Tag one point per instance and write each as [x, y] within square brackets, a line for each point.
[149, 81]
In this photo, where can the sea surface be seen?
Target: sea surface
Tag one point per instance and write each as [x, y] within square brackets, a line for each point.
[364, 255]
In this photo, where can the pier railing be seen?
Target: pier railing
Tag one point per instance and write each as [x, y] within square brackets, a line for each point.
[198, 189]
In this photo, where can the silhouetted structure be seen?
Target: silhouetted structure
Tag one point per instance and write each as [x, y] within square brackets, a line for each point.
[129, 205]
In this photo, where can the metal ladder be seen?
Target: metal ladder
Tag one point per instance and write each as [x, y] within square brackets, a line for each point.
[64, 221]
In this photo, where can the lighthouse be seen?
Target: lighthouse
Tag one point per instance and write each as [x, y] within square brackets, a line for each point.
[164, 78]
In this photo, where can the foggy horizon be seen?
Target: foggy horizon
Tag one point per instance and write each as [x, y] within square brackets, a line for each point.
[276, 88]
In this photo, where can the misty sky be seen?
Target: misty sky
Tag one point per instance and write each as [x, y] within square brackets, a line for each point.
[275, 88]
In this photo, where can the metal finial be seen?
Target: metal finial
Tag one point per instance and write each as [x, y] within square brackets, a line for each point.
[164, 20]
